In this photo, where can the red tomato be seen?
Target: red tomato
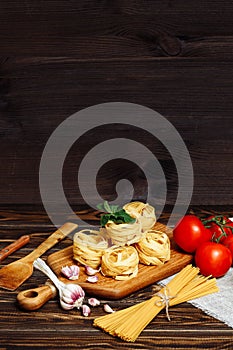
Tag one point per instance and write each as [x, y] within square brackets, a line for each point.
[189, 233]
[228, 227]
[213, 259]
[228, 242]
[220, 226]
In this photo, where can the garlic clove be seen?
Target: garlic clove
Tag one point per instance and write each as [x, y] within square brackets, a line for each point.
[90, 271]
[75, 290]
[93, 302]
[108, 308]
[85, 310]
[66, 306]
[72, 295]
[67, 300]
[92, 279]
[71, 272]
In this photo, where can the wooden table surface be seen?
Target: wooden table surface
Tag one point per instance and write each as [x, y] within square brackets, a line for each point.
[52, 327]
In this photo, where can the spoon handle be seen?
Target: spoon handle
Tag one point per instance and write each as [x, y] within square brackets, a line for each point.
[53, 239]
[33, 299]
[43, 267]
[11, 248]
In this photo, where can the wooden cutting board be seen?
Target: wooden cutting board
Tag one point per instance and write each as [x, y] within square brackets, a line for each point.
[107, 287]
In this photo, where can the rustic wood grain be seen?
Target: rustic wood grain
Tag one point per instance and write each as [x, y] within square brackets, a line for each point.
[53, 328]
[108, 287]
[13, 275]
[114, 29]
[194, 95]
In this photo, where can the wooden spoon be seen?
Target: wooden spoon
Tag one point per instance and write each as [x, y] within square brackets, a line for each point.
[14, 274]
[33, 299]
[11, 248]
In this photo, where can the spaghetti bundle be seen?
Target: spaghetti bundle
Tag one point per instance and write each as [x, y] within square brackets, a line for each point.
[120, 263]
[124, 234]
[130, 322]
[144, 212]
[153, 248]
[88, 247]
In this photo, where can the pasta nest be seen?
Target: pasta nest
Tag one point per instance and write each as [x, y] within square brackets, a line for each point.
[144, 212]
[124, 234]
[154, 248]
[120, 263]
[88, 247]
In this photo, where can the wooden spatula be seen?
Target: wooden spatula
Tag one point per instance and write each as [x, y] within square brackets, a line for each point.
[14, 274]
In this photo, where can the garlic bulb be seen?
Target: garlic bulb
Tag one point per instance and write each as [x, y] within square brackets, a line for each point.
[144, 212]
[70, 272]
[71, 295]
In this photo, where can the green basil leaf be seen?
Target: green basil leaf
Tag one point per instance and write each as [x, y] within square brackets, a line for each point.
[104, 220]
[119, 217]
[115, 208]
[107, 208]
[100, 207]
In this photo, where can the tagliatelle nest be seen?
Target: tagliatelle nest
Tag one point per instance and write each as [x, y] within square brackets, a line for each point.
[124, 234]
[88, 247]
[120, 263]
[144, 212]
[154, 248]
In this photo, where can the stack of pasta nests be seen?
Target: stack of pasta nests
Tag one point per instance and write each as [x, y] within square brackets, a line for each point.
[117, 249]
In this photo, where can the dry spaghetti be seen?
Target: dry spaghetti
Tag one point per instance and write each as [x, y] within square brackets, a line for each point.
[153, 248]
[130, 322]
[120, 263]
[88, 247]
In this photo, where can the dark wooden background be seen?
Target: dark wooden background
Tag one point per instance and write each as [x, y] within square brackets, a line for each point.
[58, 57]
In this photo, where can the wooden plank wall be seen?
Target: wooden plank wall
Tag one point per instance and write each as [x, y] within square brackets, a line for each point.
[58, 57]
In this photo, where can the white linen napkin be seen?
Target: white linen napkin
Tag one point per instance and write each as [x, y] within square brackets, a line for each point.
[219, 305]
